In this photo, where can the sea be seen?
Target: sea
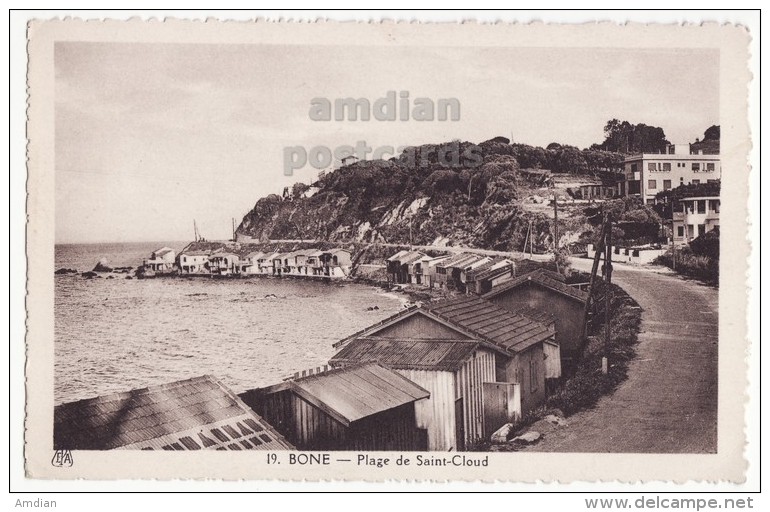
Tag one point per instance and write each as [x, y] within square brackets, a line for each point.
[117, 334]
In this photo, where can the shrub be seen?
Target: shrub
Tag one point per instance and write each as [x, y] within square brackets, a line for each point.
[703, 268]
[584, 388]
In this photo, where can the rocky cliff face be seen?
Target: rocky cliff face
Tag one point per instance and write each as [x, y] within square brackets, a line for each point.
[430, 194]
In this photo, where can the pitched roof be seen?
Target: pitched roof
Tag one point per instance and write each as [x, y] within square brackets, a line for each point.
[409, 354]
[497, 328]
[163, 251]
[185, 415]
[492, 268]
[461, 260]
[541, 278]
[406, 257]
[490, 322]
[355, 392]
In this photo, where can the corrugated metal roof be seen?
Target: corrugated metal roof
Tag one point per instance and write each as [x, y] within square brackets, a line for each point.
[542, 278]
[491, 322]
[411, 354]
[355, 392]
[198, 413]
[461, 260]
[491, 273]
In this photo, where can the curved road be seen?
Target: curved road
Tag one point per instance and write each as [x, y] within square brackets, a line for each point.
[669, 402]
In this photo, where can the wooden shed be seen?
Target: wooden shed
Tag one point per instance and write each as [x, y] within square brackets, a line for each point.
[455, 349]
[359, 407]
[193, 414]
[546, 291]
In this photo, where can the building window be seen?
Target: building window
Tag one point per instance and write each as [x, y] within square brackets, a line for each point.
[702, 206]
[714, 205]
[680, 231]
[696, 182]
[652, 184]
[690, 230]
[710, 167]
[696, 167]
[667, 166]
[681, 180]
[651, 166]
[633, 168]
[666, 184]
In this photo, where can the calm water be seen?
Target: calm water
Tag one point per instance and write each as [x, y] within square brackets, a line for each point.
[119, 334]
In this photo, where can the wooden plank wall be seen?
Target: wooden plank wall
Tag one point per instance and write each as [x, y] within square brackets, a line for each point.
[435, 414]
[387, 431]
[469, 385]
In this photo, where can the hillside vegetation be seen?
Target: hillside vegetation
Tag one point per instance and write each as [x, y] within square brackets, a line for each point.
[428, 200]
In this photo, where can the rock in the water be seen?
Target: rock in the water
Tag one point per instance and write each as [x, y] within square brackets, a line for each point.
[89, 275]
[102, 266]
[501, 435]
[530, 437]
[63, 271]
[556, 420]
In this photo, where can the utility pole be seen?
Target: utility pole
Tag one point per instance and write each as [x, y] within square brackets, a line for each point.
[594, 270]
[555, 231]
[233, 218]
[531, 238]
[608, 293]
[526, 238]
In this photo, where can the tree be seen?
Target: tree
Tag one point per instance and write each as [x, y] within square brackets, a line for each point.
[712, 133]
[624, 137]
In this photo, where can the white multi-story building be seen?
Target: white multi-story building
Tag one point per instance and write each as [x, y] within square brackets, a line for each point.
[693, 217]
[646, 174]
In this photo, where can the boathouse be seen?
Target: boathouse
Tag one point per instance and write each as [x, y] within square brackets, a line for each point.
[359, 407]
[483, 365]
[483, 278]
[453, 271]
[224, 263]
[546, 291]
[193, 262]
[250, 262]
[161, 261]
[193, 414]
[401, 267]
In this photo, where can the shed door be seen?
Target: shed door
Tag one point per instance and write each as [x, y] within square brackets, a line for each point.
[500, 405]
[459, 424]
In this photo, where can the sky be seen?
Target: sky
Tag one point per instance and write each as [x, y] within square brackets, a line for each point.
[150, 137]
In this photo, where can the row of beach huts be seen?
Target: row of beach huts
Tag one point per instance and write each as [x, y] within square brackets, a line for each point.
[465, 272]
[221, 259]
[441, 376]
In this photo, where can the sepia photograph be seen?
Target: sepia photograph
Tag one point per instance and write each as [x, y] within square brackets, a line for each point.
[345, 253]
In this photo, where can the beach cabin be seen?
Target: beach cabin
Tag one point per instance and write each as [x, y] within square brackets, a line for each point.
[546, 291]
[249, 264]
[334, 263]
[193, 262]
[358, 407]
[483, 278]
[161, 261]
[313, 261]
[428, 268]
[401, 267]
[453, 271]
[277, 260]
[224, 264]
[483, 365]
[266, 263]
[194, 414]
